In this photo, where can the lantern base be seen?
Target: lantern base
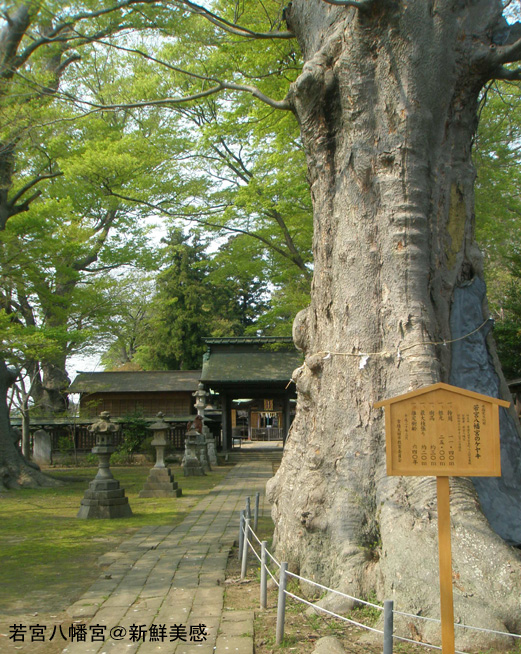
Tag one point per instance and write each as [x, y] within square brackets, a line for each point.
[160, 483]
[104, 499]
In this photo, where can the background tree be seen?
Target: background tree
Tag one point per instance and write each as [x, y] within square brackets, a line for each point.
[498, 215]
[127, 326]
[39, 41]
[234, 168]
[22, 347]
[193, 299]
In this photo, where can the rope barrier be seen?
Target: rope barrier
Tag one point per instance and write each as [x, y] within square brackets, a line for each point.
[254, 535]
[335, 615]
[273, 558]
[418, 617]
[337, 592]
[253, 550]
[489, 631]
[361, 601]
[460, 626]
[416, 642]
[271, 575]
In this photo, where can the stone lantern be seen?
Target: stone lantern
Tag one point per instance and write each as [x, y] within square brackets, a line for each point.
[104, 498]
[209, 454]
[160, 482]
[191, 464]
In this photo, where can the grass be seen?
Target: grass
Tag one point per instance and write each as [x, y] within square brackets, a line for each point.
[48, 556]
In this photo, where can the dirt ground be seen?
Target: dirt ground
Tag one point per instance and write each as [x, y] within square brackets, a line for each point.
[301, 631]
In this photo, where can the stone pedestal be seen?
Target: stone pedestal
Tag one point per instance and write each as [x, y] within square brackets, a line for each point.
[202, 452]
[104, 498]
[160, 482]
[212, 450]
[42, 447]
[191, 464]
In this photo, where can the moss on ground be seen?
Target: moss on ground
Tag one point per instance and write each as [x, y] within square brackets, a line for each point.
[49, 556]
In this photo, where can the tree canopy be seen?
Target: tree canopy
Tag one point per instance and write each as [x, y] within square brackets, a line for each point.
[379, 108]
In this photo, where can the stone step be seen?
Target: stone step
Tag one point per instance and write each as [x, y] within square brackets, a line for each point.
[158, 485]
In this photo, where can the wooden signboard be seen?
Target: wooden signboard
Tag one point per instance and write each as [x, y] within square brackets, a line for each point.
[443, 431]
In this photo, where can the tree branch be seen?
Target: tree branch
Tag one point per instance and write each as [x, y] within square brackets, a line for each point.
[232, 28]
[30, 185]
[10, 39]
[25, 205]
[71, 21]
[154, 59]
[507, 54]
[103, 232]
[296, 258]
[507, 74]
[363, 5]
[200, 221]
[283, 105]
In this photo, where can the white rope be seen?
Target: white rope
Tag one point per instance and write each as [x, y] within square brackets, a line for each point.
[419, 617]
[335, 615]
[415, 642]
[254, 535]
[270, 574]
[337, 592]
[253, 550]
[488, 631]
[460, 626]
[356, 599]
[273, 558]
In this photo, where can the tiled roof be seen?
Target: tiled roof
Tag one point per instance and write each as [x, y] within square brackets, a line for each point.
[136, 381]
[257, 366]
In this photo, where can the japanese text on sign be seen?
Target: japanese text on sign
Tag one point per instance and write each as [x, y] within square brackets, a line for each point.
[442, 431]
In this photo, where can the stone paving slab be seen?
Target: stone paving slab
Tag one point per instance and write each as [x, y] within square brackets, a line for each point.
[160, 591]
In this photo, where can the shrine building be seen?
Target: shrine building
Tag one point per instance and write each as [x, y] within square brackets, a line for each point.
[252, 377]
[248, 381]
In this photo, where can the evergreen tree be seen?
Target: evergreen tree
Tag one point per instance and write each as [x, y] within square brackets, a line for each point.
[193, 300]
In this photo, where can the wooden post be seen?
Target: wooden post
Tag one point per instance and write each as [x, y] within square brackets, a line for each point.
[424, 439]
[445, 556]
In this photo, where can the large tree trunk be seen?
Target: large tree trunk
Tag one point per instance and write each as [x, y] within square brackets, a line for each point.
[55, 382]
[15, 470]
[387, 104]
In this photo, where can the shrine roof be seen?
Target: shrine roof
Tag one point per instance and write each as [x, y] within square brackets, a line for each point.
[250, 367]
[136, 381]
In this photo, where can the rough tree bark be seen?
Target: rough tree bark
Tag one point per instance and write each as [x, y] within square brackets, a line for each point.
[387, 103]
[15, 470]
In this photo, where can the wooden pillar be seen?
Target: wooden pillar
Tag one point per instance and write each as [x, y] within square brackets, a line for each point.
[445, 556]
[226, 422]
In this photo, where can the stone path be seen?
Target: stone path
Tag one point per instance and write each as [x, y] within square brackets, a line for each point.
[168, 581]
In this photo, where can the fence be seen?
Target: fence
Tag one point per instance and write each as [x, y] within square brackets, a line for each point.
[74, 437]
[266, 559]
[82, 440]
[267, 434]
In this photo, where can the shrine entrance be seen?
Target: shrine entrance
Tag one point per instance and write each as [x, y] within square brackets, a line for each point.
[252, 377]
[258, 420]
